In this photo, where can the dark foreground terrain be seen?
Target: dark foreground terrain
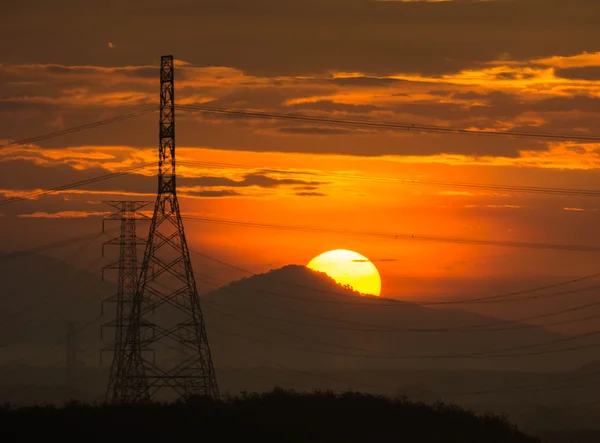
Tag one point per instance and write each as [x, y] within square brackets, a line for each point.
[276, 416]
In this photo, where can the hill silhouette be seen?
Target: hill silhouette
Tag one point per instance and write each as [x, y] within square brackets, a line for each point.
[305, 319]
[289, 327]
[274, 416]
[293, 316]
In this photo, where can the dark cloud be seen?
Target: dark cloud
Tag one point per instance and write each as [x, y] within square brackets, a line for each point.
[313, 130]
[348, 35]
[514, 76]
[306, 188]
[298, 37]
[373, 144]
[494, 97]
[582, 103]
[377, 38]
[584, 73]
[311, 194]
[265, 96]
[366, 81]
[331, 106]
[12, 175]
[253, 179]
[221, 193]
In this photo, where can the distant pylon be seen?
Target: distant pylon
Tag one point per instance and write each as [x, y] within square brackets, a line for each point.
[127, 265]
[71, 361]
[177, 336]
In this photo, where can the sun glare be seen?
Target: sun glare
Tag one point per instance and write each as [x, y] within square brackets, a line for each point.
[349, 268]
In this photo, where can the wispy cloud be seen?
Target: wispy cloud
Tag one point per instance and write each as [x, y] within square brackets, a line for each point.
[580, 210]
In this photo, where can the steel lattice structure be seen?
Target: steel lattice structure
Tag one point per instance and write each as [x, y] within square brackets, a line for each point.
[128, 267]
[71, 361]
[166, 319]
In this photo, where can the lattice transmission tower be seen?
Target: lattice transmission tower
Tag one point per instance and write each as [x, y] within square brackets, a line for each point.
[71, 361]
[128, 266]
[166, 319]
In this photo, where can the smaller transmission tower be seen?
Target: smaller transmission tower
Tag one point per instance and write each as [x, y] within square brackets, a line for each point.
[127, 265]
[71, 361]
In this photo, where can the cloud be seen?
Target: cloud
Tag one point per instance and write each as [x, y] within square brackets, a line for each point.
[580, 210]
[365, 81]
[495, 206]
[216, 193]
[43, 173]
[308, 130]
[311, 194]
[306, 188]
[538, 93]
[444, 31]
[248, 180]
[582, 73]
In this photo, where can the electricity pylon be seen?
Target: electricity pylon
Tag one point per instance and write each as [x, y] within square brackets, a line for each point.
[71, 361]
[182, 363]
[127, 265]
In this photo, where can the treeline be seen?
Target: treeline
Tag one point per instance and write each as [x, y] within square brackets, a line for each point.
[279, 416]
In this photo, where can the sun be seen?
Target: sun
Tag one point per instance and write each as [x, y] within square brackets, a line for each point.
[349, 268]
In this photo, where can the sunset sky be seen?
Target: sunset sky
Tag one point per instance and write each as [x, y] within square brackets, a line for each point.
[516, 65]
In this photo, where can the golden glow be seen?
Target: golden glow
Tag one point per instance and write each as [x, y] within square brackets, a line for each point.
[349, 268]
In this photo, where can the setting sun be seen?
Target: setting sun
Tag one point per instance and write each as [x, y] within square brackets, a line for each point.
[349, 268]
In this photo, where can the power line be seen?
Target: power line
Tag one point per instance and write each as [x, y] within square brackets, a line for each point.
[407, 181]
[365, 327]
[494, 298]
[516, 388]
[77, 128]
[375, 328]
[510, 389]
[390, 236]
[17, 315]
[378, 303]
[20, 389]
[58, 244]
[75, 184]
[486, 327]
[482, 354]
[391, 357]
[386, 125]
[27, 332]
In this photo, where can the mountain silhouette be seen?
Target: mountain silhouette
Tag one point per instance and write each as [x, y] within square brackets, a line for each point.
[292, 316]
[296, 317]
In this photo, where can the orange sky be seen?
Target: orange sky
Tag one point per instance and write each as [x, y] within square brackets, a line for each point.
[281, 172]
